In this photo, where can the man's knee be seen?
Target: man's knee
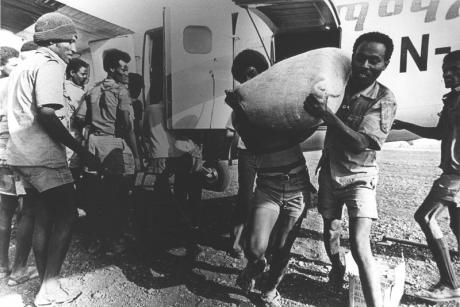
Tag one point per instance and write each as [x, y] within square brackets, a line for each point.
[255, 252]
[424, 218]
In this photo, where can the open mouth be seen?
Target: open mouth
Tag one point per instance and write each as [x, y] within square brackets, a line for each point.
[363, 75]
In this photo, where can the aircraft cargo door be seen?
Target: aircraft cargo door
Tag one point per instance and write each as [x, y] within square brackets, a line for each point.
[198, 57]
[297, 25]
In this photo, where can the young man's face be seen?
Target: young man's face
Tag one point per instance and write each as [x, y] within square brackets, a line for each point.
[79, 77]
[65, 50]
[8, 67]
[451, 74]
[121, 73]
[368, 62]
[251, 72]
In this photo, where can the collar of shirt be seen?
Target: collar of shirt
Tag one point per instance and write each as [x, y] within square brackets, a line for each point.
[108, 84]
[448, 98]
[51, 54]
[370, 92]
[70, 83]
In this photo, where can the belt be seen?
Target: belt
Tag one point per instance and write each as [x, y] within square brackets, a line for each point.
[285, 177]
[100, 133]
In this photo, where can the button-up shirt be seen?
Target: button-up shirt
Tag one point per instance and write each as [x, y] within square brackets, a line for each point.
[370, 112]
[449, 124]
[105, 100]
[37, 82]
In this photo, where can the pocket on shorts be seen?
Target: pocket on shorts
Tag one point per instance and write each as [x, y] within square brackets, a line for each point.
[448, 185]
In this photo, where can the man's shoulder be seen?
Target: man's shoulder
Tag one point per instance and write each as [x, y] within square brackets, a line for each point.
[451, 96]
[95, 89]
[385, 94]
[73, 89]
[116, 88]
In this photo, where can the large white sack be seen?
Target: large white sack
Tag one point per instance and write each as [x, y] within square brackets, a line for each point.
[274, 99]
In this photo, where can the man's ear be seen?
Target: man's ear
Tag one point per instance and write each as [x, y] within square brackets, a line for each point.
[386, 64]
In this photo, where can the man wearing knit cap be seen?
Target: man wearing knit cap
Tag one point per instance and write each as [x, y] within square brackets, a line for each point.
[36, 149]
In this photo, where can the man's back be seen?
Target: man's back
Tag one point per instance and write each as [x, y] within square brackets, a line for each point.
[104, 101]
[36, 82]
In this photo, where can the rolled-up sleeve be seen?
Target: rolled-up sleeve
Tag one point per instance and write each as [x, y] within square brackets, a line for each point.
[377, 122]
[49, 86]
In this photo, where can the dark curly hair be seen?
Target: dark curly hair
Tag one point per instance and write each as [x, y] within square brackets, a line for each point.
[379, 38]
[112, 57]
[246, 59]
[6, 53]
[75, 65]
[452, 56]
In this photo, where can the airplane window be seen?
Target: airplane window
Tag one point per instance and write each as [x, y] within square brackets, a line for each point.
[197, 39]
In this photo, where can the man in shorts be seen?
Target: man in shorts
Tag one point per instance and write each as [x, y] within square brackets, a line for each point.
[445, 192]
[10, 190]
[348, 165]
[108, 112]
[282, 190]
[36, 148]
[246, 65]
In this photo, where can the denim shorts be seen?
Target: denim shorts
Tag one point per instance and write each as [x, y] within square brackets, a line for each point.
[447, 188]
[10, 183]
[43, 178]
[360, 199]
[284, 196]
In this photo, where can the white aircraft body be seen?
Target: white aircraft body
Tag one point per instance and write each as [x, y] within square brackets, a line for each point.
[184, 49]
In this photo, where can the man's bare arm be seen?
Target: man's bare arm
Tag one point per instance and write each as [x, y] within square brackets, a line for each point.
[56, 130]
[424, 132]
[353, 140]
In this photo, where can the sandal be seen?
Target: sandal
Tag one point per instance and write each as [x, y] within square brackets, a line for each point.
[439, 293]
[31, 273]
[274, 301]
[61, 296]
[246, 281]
[236, 253]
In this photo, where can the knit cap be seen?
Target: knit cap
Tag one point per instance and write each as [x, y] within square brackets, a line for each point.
[54, 27]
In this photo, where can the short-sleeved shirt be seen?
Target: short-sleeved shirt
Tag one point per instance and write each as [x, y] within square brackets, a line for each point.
[105, 99]
[370, 112]
[449, 124]
[36, 82]
[3, 95]
[4, 134]
[73, 96]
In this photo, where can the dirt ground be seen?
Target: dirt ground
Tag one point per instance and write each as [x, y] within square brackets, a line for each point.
[170, 278]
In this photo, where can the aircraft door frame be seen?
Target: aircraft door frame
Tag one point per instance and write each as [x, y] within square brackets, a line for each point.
[198, 57]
